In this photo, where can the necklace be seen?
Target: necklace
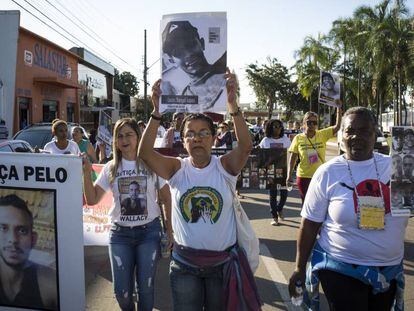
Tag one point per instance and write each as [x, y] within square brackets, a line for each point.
[353, 180]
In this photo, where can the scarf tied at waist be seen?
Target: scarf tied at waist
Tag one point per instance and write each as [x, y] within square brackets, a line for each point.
[239, 286]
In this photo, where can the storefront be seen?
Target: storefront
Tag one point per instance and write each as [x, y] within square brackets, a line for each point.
[95, 77]
[46, 82]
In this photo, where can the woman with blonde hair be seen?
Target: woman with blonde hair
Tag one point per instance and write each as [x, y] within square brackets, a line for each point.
[310, 148]
[134, 242]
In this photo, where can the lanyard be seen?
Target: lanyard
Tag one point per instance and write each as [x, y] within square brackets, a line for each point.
[355, 186]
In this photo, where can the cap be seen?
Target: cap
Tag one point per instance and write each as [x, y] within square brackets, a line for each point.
[177, 31]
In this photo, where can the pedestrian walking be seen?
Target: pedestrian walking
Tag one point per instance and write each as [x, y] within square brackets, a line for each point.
[276, 138]
[208, 270]
[310, 148]
[134, 241]
[84, 145]
[61, 144]
[358, 255]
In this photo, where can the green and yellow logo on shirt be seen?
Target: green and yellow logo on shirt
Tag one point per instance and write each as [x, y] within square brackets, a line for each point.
[201, 204]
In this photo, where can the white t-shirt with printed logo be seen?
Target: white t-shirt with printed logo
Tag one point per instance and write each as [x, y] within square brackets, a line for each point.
[268, 142]
[134, 194]
[202, 206]
[72, 148]
[331, 200]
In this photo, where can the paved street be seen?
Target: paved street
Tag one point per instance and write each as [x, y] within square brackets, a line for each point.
[278, 247]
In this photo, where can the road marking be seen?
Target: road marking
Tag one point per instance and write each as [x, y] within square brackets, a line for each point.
[277, 276]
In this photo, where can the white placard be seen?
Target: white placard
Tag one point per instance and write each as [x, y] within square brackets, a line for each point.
[329, 88]
[50, 187]
[193, 62]
[402, 177]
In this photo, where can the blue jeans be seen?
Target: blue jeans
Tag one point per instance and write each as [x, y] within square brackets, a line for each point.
[135, 249]
[196, 289]
[274, 205]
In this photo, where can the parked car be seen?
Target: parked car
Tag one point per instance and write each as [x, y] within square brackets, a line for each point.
[381, 145]
[15, 146]
[40, 134]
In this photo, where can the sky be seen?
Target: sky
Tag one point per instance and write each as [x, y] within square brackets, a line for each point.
[114, 30]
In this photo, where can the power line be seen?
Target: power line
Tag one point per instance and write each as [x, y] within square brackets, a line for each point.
[124, 61]
[60, 33]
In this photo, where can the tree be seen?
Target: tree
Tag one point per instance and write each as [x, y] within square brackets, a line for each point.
[270, 82]
[126, 83]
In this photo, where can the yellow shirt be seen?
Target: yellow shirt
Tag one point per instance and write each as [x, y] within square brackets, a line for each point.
[309, 159]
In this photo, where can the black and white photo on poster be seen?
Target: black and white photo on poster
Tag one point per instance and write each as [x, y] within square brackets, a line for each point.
[329, 88]
[193, 62]
[41, 227]
[28, 248]
[402, 171]
[133, 199]
[402, 139]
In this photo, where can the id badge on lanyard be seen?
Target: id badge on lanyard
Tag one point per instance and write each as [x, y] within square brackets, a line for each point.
[312, 156]
[371, 213]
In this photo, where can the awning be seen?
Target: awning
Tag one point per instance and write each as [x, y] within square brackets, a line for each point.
[63, 83]
[95, 109]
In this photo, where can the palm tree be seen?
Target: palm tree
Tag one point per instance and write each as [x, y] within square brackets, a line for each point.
[315, 55]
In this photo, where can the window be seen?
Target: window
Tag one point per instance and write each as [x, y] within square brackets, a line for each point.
[49, 110]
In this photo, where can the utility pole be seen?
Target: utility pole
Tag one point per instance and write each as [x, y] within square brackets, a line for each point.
[145, 77]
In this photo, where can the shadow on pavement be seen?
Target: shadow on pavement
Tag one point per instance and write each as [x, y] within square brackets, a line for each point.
[269, 294]
[281, 250]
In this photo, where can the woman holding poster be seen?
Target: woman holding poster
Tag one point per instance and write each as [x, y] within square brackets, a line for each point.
[203, 218]
[135, 234]
[310, 148]
[358, 255]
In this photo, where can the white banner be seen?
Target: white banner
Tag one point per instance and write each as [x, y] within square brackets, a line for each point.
[41, 237]
[96, 222]
[194, 56]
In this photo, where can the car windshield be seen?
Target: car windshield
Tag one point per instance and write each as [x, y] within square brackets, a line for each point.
[35, 138]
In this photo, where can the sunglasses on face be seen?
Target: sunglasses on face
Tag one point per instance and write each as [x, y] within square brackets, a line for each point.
[202, 134]
[310, 122]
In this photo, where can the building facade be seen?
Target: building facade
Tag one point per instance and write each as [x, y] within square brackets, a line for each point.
[46, 82]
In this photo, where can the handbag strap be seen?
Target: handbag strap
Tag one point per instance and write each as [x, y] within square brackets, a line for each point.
[157, 187]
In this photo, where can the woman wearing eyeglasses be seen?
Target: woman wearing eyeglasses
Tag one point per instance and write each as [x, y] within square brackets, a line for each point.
[203, 219]
[310, 148]
[276, 138]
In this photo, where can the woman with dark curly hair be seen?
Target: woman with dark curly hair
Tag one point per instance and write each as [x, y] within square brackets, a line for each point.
[275, 138]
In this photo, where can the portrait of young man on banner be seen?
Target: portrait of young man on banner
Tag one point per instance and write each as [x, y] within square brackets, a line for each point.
[41, 238]
[28, 264]
[193, 58]
[133, 198]
[329, 89]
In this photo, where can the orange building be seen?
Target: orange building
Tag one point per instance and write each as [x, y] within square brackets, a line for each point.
[46, 82]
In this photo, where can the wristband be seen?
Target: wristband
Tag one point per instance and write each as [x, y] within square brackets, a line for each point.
[155, 117]
[236, 113]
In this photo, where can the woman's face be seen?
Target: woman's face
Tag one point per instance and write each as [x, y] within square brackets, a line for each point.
[358, 137]
[198, 139]
[127, 140]
[77, 135]
[277, 129]
[310, 124]
[61, 132]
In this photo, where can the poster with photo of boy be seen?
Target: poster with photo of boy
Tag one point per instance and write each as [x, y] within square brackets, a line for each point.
[193, 62]
[329, 88]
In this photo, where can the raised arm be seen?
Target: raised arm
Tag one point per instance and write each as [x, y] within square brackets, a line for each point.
[163, 166]
[235, 160]
[93, 193]
[338, 117]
